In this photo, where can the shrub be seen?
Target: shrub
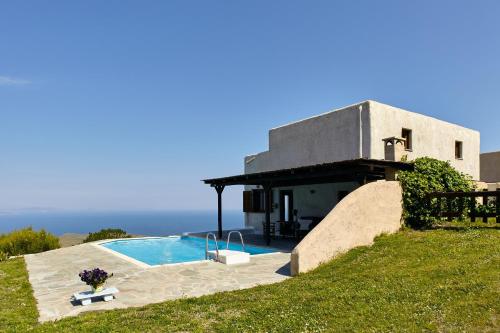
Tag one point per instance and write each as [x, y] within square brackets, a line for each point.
[429, 175]
[106, 234]
[26, 241]
[488, 208]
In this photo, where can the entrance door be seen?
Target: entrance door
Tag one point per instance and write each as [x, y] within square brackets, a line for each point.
[286, 205]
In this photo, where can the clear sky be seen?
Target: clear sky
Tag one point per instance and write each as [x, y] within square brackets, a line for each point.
[113, 105]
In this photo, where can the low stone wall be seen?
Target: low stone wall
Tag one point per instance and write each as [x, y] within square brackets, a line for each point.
[483, 186]
[365, 213]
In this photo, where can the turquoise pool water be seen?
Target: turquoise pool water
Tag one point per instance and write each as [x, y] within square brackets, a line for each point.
[170, 250]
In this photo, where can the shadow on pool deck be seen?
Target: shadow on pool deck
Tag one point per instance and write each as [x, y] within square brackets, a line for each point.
[284, 270]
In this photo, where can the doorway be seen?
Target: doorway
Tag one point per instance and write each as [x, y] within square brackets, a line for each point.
[286, 205]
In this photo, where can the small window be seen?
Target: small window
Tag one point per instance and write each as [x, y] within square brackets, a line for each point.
[406, 134]
[458, 150]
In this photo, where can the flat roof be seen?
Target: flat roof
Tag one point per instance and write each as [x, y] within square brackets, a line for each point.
[343, 171]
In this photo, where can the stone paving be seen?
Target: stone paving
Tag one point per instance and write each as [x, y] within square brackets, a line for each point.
[54, 277]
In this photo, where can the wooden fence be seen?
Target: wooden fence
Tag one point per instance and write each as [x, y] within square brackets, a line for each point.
[456, 204]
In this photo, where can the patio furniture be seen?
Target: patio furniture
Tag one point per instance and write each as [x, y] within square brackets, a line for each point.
[85, 298]
[272, 229]
[288, 229]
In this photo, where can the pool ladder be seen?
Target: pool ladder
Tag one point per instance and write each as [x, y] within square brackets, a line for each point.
[217, 245]
[241, 238]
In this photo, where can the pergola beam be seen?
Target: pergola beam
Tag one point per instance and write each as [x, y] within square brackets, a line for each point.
[335, 172]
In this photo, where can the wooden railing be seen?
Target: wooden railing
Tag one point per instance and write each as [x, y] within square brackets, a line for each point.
[458, 204]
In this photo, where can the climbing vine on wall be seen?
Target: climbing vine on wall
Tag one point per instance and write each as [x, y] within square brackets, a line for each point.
[429, 175]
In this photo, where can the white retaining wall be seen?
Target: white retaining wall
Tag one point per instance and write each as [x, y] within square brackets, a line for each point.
[365, 213]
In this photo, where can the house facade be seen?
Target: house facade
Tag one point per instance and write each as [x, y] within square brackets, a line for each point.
[490, 171]
[352, 133]
[490, 167]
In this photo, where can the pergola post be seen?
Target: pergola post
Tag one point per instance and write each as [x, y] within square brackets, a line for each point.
[267, 199]
[219, 188]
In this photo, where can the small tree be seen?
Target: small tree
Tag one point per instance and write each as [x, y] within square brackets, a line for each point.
[429, 175]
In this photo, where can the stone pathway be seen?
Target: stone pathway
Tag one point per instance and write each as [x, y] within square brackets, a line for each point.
[54, 277]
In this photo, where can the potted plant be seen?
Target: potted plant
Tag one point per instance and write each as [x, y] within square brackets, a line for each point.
[96, 278]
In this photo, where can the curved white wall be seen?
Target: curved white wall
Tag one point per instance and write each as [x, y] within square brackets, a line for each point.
[365, 213]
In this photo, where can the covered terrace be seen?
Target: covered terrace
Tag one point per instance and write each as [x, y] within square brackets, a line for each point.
[358, 170]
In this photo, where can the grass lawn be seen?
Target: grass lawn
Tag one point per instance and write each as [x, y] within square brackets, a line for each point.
[436, 280]
[18, 311]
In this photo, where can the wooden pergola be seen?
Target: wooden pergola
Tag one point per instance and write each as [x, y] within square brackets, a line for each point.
[358, 170]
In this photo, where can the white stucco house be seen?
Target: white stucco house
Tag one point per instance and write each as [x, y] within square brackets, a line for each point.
[311, 164]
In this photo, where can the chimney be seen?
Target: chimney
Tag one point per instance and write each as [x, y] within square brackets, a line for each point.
[394, 148]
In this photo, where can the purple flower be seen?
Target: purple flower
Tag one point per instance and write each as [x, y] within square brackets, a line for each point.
[94, 277]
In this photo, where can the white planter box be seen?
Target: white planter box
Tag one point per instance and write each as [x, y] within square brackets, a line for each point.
[85, 297]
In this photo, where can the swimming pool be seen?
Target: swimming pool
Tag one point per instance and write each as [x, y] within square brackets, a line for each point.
[171, 250]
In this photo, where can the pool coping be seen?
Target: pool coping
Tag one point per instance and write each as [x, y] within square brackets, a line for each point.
[98, 244]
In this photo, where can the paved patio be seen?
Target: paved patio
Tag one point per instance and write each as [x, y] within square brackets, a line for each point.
[54, 277]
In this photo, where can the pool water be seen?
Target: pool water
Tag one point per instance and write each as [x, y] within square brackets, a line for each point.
[170, 250]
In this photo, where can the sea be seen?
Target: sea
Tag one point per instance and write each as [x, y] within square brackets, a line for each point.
[138, 223]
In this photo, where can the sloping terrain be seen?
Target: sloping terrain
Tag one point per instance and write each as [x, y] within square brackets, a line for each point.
[437, 280]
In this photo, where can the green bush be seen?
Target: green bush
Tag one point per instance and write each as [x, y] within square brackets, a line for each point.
[106, 234]
[429, 175]
[488, 208]
[26, 241]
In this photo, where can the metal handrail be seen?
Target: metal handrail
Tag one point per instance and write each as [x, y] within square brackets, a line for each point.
[216, 246]
[241, 238]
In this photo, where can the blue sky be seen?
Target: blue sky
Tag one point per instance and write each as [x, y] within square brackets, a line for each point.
[114, 105]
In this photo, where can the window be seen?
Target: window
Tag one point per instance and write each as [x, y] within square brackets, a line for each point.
[286, 208]
[247, 201]
[286, 205]
[254, 201]
[258, 201]
[458, 150]
[406, 134]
